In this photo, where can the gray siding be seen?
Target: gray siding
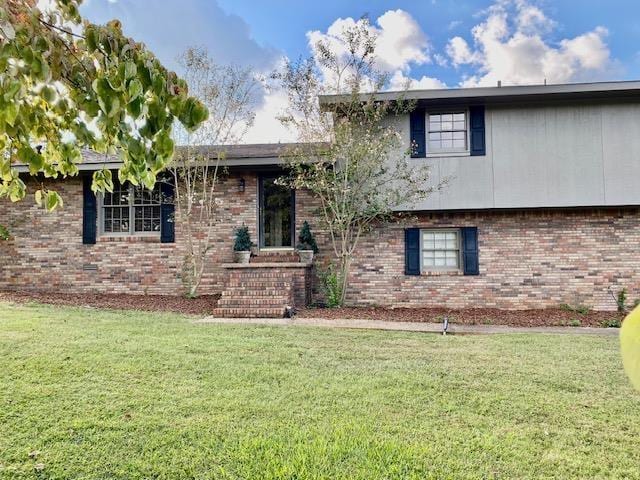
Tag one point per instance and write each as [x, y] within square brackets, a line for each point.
[564, 155]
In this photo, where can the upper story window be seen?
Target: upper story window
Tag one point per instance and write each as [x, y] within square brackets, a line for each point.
[447, 132]
[130, 210]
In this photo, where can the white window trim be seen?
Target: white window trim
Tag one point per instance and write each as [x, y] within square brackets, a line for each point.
[449, 152]
[131, 232]
[424, 269]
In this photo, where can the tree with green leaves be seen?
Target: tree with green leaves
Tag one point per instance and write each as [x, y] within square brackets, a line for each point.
[68, 85]
[362, 174]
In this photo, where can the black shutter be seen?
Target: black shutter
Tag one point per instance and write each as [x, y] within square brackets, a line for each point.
[167, 210]
[477, 130]
[418, 133]
[89, 211]
[470, 251]
[412, 251]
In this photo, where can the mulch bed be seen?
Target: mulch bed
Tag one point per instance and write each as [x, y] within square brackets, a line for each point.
[471, 316]
[202, 305]
[205, 304]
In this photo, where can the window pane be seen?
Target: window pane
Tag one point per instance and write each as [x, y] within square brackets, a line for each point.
[440, 249]
[428, 241]
[447, 132]
[147, 219]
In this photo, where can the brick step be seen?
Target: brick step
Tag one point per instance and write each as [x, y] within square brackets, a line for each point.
[255, 294]
[253, 277]
[274, 312]
[260, 292]
[232, 301]
[257, 285]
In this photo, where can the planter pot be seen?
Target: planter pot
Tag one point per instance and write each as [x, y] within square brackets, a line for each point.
[306, 256]
[242, 257]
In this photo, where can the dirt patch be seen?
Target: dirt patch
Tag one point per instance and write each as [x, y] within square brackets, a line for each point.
[202, 305]
[472, 316]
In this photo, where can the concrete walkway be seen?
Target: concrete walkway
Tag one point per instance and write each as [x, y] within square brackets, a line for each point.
[407, 326]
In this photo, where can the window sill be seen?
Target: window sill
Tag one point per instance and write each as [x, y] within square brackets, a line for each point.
[448, 154]
[442, 273]
[129, 238]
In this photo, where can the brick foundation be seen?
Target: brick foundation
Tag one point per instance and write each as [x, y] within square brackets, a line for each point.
[531, 259]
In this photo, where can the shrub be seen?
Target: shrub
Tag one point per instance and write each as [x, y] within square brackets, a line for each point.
[612, 323]
[306, 240]
[243, 240]
[575, 322]
[581, 309]
[4, 233]
[332, 287]
[621, 300]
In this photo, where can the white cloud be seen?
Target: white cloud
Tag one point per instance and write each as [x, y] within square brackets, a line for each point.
[453, 24]
[509, 46]
[266, 128]
[459, 51]
[400, 40]
[398, 81]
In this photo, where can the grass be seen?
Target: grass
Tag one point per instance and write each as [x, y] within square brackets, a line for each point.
[103, 394]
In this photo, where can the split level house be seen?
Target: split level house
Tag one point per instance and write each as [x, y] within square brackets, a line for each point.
[541, 207]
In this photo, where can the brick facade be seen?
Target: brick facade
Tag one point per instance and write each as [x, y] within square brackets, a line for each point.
[528, 259]
[46, 251]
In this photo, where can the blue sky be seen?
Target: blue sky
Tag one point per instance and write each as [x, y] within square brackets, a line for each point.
[435, 43]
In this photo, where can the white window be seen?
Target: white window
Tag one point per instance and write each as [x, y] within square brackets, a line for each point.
[440, 249]
[130, 210]
[447, 132]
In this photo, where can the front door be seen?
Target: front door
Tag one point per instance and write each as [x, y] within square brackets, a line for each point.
[276, 214]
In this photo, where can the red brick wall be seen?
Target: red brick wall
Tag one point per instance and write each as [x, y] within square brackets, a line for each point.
[527, 259]
[46, 251]
[530, 259]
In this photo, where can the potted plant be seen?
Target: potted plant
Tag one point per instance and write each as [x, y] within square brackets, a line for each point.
[242, 245]
[307, 245]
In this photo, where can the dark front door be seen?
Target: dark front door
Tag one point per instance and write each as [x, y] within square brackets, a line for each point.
[276, 212]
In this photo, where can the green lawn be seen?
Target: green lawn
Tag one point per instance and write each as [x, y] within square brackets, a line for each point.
[103, 394]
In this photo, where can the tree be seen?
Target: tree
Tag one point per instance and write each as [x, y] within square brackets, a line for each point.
[227, 92]
[67, 84]
[362, 175]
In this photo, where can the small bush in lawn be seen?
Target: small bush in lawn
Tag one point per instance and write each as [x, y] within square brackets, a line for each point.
[243, 240]
[306, 240]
